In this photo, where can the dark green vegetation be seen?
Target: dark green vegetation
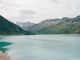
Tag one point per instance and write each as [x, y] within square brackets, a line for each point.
[9, 28]
[61, 29]
[57, 26]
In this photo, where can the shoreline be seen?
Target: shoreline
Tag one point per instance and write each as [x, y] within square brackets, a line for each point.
[4, 56]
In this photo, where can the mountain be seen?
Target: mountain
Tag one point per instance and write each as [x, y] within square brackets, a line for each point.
[9, 28]
[25, 24]
[67, 26]
[57, 26]
[42, 24]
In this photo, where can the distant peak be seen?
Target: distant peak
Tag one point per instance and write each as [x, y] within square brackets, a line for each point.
[65, 18]
[78, 16]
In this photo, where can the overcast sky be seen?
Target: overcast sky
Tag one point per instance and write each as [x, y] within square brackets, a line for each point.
[38, 10]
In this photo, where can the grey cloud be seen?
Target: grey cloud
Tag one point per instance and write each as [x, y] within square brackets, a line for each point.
[55, 1]
[5, 4]
[16, 5]
[1, 1]
[25, 14]
[78, 4]
[24, 11]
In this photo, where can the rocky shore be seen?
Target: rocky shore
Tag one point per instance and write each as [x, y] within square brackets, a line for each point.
[4, 56]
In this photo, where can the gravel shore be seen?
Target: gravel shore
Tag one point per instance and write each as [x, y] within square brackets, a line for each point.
[4, 56]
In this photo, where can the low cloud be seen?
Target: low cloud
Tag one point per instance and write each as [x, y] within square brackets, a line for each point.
[24, 15]
[1, 1]
[55, 1]
[38, 10]
[26, 12]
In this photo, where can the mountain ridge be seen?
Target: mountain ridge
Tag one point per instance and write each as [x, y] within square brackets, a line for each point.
[9, 28]
[64, 25]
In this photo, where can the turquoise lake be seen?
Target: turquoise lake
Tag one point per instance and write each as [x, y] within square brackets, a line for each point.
[42, 47]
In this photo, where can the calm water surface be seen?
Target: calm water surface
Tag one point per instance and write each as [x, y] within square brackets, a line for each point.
[42, 47]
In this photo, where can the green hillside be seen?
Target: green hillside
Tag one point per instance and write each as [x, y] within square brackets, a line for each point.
[9, 28]
[64, 26]
[61, 29]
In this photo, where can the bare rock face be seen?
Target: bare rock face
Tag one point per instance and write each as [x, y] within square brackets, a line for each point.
[4, 56]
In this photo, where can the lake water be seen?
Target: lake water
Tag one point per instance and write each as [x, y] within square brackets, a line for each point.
[42, 47]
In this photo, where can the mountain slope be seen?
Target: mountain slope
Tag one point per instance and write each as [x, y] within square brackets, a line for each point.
[61, 29]
[68, 26]
[25, 25]
[43, 24]
[9, 28]
[57, 26]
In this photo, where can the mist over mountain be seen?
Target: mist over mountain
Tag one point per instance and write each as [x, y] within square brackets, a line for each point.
[56, 26]
[25, 24]
[9, 28]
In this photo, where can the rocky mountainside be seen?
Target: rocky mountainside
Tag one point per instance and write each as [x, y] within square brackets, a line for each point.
[9, 28]
[67, 26]
[56, 26]
[42, 24]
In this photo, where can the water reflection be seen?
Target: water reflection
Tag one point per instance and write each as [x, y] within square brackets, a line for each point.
[3, 44]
